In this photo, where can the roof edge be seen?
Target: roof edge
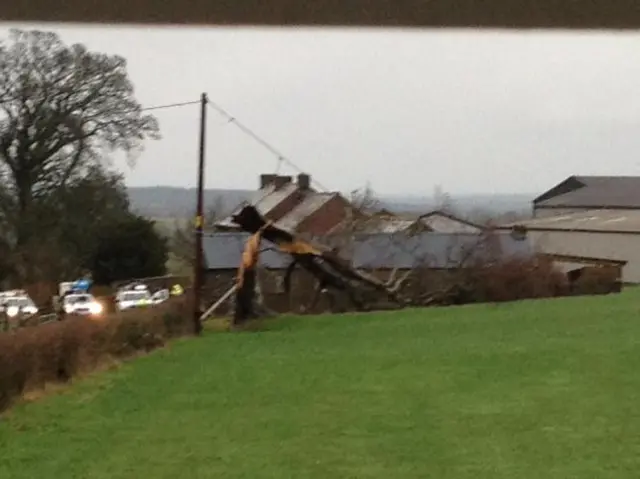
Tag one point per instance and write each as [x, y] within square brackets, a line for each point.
[583, 259]
[585, 207]
[451, 217]
[567, 230]
[557, 190]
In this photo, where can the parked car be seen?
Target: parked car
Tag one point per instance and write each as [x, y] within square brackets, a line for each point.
[83, 304]
[21, 305]
[12, 293]
[133, 296]
[160, 296]
[17, 298]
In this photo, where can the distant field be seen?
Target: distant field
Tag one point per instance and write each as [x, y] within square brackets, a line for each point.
[539, 389]
[164, 201]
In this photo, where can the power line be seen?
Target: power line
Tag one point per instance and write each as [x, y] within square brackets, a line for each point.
[170, 105]
[281, 158]
[261, 141]
[154, 107]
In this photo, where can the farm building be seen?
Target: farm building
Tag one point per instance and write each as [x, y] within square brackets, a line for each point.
[443, 222]
[579, 194]
[587, 237]
[378, 254]
[294, 206]
[434, 221]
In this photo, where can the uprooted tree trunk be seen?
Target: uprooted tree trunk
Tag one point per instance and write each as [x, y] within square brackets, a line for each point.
[246, 281]
[324, 264]
[243, 307]
[249, 301]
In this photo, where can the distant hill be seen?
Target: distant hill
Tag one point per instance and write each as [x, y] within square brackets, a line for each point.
[172, 202]
[465, 204]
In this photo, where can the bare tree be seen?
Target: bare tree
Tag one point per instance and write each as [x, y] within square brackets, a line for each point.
[442, 200]
[365, 199]
[62, 109]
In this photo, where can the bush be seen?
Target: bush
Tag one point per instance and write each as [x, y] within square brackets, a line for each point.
[597, 280]
[41, 294]
[30, 358]
[508, 279]
[516, 278]
[131, 248]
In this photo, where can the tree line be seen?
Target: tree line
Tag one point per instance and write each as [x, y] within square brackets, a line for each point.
[64, 211]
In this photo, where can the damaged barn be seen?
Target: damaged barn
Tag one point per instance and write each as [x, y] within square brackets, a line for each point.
[372, 271]
[331, 271]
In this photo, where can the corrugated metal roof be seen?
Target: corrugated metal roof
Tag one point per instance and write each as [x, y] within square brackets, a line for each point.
[371, 251]
[311, 203]
[435, 221]
[224, 251]
[437, 250]
[448, 224]
[591, 220]
[599, 191]
[391, 225]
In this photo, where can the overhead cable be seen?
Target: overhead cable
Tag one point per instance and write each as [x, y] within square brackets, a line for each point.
[281, 158]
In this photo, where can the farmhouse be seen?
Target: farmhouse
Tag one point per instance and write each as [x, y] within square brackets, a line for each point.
[294, 206]
[379, 254]
[593, 236]
[584, 193]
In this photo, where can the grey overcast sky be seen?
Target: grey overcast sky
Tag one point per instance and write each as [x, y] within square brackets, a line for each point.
[472, 111]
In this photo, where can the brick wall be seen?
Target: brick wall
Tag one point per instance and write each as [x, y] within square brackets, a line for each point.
[325, 218]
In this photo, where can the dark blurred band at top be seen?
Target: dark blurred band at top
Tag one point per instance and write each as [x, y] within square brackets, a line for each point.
[518, 14]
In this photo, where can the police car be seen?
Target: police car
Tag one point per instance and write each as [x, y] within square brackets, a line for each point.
[133, 296]
[17, 302]
[160, 296]
[83, 304]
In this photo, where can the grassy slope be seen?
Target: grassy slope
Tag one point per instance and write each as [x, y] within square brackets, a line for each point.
[537, 389]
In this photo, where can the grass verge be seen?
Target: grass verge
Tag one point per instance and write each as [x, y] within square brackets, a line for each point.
[545, 388]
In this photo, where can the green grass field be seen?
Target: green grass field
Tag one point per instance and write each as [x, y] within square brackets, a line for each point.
[544, 389]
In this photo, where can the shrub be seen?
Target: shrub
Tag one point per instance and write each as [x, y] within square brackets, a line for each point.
[508, 279]
[511, 279]
[597, 280]
[517, 278]
[30, 358]
[41, 294]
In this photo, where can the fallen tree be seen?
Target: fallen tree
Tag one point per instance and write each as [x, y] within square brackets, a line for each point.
[329, 269]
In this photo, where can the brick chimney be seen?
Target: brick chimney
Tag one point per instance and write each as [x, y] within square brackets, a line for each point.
[281, 181]
[266, 180]
[304, 181]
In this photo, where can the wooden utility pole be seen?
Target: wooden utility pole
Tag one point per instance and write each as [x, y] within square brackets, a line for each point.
[198, 266]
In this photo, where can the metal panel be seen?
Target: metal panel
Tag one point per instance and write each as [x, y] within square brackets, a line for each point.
[621, 247]
[380, 251]
[224, 251]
